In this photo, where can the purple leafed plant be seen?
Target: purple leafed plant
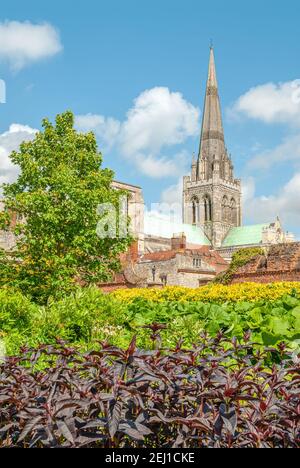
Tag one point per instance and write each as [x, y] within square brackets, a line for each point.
[218, 394]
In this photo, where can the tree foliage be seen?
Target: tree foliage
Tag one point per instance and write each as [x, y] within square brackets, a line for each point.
[55, 198]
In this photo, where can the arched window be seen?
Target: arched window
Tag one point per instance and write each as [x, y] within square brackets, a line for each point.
[225, 206]
[208, 208]
[233, 209]
[195, 210]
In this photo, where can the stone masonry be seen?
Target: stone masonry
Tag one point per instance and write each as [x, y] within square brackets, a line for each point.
[211, 194]
[180, 266]
[279, 263]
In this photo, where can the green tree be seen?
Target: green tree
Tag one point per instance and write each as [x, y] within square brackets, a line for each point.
[55, 199]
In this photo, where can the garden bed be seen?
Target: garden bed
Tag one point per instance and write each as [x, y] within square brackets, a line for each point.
[217, 394]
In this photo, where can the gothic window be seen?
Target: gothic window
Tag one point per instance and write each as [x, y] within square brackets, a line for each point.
[225, 206]
[208, 208]
[195, 210]
[233, 209]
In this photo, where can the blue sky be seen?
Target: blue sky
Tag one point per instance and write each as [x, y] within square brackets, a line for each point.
[120, 66]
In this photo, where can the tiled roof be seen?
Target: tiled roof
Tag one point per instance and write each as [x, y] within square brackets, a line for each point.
[208, 255]
[246, 235]
[212, 254]
[161, 256]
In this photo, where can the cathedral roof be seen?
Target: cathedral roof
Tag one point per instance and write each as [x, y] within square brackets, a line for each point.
[161, 226]
[245, 235]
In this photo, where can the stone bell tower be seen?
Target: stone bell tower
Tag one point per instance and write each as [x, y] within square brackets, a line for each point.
[211, 194]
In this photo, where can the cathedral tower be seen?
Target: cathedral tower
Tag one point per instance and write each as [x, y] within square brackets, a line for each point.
[211, 195]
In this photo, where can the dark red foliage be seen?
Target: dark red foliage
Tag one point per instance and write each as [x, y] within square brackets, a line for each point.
[219, 394]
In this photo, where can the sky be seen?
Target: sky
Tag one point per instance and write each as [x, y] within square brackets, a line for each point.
[135, 72]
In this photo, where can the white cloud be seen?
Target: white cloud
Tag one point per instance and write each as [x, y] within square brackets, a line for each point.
[248, 189]
[10, 141]
[285, 203]
[158, 119]
[167, 214]
[173, 194]
[24, 43]
[271, 103]
[159, 167]
[288, 150]
[106, 129]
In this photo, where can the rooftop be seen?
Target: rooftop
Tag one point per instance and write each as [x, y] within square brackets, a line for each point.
[245, 235]
[125, 184]
[161, 226]
[210, 256]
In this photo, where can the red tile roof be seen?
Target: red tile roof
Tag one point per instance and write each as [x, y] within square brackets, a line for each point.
[161, 256]
[208, 255]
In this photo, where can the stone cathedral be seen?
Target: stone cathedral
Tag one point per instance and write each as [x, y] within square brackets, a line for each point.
[192, 251]
[212, 196]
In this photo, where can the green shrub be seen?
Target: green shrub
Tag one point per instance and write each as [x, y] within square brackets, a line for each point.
[89, 316]
[81, 317]
[17, 316]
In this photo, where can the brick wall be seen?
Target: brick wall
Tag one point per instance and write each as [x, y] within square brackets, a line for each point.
[267, 277]
[281, 263]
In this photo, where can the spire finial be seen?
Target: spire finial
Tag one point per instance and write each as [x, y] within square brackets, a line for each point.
[211, 44]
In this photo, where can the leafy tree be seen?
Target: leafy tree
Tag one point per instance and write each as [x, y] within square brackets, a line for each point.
[55, 200]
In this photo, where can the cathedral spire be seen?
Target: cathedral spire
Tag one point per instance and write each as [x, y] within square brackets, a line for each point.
[212, 74]
[212, 145]
[212, 196]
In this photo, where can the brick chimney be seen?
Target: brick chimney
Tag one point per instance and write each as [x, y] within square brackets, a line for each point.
[131, 255]
[178, 242]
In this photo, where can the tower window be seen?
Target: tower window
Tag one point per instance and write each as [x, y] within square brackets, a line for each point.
[233, 209]
[225, 209]
[208, 208]
[195, 210]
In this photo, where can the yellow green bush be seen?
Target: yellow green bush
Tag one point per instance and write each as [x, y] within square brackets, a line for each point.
[216, 293]
[270, 312]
